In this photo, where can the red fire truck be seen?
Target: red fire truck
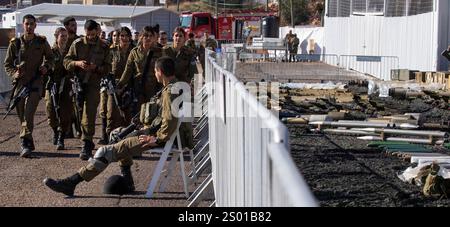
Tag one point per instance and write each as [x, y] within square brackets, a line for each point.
[227, 26]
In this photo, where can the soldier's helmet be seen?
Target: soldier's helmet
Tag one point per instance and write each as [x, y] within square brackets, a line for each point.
[116, 185]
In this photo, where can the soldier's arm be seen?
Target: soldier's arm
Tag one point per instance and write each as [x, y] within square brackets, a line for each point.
[49, 58]
[71, 58]
[9, 60]
[169, 122]
[128, 72]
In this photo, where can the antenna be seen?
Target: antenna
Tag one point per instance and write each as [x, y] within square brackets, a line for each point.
[134, 8]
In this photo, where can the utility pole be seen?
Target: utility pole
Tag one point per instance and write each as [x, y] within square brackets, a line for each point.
[178, 5]
[292, 15]
[217, 22]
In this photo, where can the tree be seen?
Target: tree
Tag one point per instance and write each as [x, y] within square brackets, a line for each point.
[304, 11]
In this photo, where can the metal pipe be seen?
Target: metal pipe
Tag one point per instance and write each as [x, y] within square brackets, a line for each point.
[406, 132]
[415, 159]
[362, 124]
[350, 132]
[411, 140]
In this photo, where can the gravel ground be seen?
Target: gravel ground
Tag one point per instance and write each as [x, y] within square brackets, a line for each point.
[343, 171]
[21, 178]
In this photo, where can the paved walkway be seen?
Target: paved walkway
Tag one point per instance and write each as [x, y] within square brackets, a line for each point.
[21, 178]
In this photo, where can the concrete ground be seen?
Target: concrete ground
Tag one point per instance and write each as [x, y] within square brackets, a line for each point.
[21, 178]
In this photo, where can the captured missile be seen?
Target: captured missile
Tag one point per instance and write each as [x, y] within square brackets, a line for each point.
[405, 132]
[362, 124]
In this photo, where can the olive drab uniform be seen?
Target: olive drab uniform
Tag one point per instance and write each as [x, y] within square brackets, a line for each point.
[73, 109]
[32, 54]
[295, 43]
[103, 111]
[59, 76]
[99, 55]
[208, 43]
[184, 61]
[119, 60]
[191, 43]
[185, 69]
[163, 125]
[145, 86]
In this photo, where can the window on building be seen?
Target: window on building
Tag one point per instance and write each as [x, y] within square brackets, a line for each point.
[332, 8]
[395, 8]
[375, 6]
[420, 6]
[339, 8]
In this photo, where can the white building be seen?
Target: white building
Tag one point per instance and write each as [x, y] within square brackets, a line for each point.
[415, 31]
[50, 16]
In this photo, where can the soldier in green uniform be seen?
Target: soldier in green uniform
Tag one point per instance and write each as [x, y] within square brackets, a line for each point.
[162, 39]
[140, 57]
[60, 79]
[36, 59]
[191, 41]
[163, 126]
[185, 68]
[206, 43]
[119, 55]
[90, 60]
[295, 43]
[71, 26]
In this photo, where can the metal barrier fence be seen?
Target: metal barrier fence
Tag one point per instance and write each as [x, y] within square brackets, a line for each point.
[249, 147]
[377, 66]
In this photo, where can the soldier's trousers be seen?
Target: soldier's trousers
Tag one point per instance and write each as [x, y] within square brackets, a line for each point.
[65, 111]
[114, 119]
[92, 99]
[121, 152]
[26, 109]
[103, 104]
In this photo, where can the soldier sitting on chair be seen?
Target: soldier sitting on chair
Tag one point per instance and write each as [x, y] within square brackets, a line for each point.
[164, 125]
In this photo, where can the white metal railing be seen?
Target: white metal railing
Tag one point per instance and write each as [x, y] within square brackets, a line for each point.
[377, 66]
[249, 148]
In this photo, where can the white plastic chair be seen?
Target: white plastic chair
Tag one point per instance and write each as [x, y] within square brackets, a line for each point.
[178, 153]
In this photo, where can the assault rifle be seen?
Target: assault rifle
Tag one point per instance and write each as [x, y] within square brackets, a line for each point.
[125, 132]
[78, 96]
[21, 94]
[109, 83]
[55, 98]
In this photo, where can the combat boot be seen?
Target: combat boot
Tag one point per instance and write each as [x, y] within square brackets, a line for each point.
[26, 150]
[86, 151]
[65, 186]
[60, 141]
[55, 136]
[104, 140]
[126, 173]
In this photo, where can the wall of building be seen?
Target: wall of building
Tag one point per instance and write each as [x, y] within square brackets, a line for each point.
[167, 20]
[413, 38]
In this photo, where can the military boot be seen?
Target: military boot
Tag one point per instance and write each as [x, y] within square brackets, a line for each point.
[31, 144]
[126, 173]
[104, 140]
[66, 185]
[60, 141]
[55, 136]
[26, 149]
[86, 151]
